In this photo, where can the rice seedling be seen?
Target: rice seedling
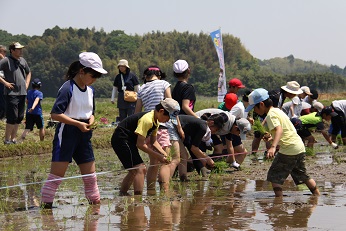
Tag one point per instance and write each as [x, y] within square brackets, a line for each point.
[219, 167]
[309, 151]
[258, 126]
[339, 139]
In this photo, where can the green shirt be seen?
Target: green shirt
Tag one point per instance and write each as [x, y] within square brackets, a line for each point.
[311, 121]
[222, 106]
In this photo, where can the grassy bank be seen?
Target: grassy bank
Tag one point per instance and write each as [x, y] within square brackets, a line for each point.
[102, 134]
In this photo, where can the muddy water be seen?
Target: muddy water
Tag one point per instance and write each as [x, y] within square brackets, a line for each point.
[224, 202]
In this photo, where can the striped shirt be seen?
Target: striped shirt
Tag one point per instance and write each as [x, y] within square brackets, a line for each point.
[151, 93]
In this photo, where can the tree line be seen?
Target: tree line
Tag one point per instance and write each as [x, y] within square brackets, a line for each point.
[50, 55]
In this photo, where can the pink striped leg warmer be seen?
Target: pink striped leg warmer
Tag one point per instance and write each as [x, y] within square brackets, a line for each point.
[49, 188]
[91, 189]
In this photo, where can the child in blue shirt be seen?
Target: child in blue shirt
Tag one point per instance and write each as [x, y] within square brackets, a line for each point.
[34, 110]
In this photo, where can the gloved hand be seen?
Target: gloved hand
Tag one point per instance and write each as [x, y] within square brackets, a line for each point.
[209, 143]
[235, 165]
[334, 145]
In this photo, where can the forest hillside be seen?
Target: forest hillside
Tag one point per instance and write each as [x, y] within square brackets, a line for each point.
[49, 56]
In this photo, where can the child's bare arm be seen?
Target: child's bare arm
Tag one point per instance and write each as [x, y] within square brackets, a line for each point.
[144, 147]
[292, 109]
[230, 151]
[276, 139]
[37, 100]
[186, 108]
[202, 156]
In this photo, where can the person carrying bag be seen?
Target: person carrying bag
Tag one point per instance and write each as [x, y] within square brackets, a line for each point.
[129, 96]
[125, 89]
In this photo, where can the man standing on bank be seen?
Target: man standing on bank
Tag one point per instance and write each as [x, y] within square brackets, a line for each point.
[17, 77]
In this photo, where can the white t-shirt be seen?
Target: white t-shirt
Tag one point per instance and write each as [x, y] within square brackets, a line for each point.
[286, 107]
[297, 107]
[238, 110]
[340, 105]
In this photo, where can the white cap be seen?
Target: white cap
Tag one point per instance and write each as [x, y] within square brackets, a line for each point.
[180, 66]
[93, 61]
[17, 45]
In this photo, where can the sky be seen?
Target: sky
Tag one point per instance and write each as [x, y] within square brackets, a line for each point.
[312, 30]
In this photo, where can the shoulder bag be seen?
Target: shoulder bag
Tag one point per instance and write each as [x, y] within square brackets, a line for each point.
[129, 96]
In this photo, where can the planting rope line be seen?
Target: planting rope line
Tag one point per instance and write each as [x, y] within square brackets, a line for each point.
[102, 173]
[70, 177]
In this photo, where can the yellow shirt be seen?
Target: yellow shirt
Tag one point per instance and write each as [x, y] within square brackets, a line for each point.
[290, 142]
[147, 126]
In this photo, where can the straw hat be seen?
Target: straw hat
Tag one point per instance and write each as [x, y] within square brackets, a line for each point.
[292, 87]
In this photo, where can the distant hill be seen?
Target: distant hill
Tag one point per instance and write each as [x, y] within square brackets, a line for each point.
[289, 65]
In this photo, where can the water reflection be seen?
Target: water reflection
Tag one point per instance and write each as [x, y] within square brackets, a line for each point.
[20, 198]
[221, 203]
[55, 220]
[287, 214]
[324, 158]
[210, 205]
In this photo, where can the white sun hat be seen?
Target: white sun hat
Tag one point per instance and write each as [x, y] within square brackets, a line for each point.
[292, 87]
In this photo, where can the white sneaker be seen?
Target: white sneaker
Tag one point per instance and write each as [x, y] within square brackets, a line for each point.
[235, 165]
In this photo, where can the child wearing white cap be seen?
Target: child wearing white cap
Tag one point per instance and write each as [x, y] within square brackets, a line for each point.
[291, 157]
[74, 108]
[183, 92]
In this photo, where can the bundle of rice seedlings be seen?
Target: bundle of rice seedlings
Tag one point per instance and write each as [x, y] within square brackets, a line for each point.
[258, 126]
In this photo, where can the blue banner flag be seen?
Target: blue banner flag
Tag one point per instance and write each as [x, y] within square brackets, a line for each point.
[221, 86]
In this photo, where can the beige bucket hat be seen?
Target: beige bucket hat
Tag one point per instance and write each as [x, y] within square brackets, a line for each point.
[123, 62]
[292, 87]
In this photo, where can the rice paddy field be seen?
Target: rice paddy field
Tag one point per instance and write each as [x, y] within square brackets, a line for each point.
[227, 199]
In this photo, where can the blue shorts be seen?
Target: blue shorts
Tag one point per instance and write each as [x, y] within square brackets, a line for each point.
[173, 134]
[70, 142]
